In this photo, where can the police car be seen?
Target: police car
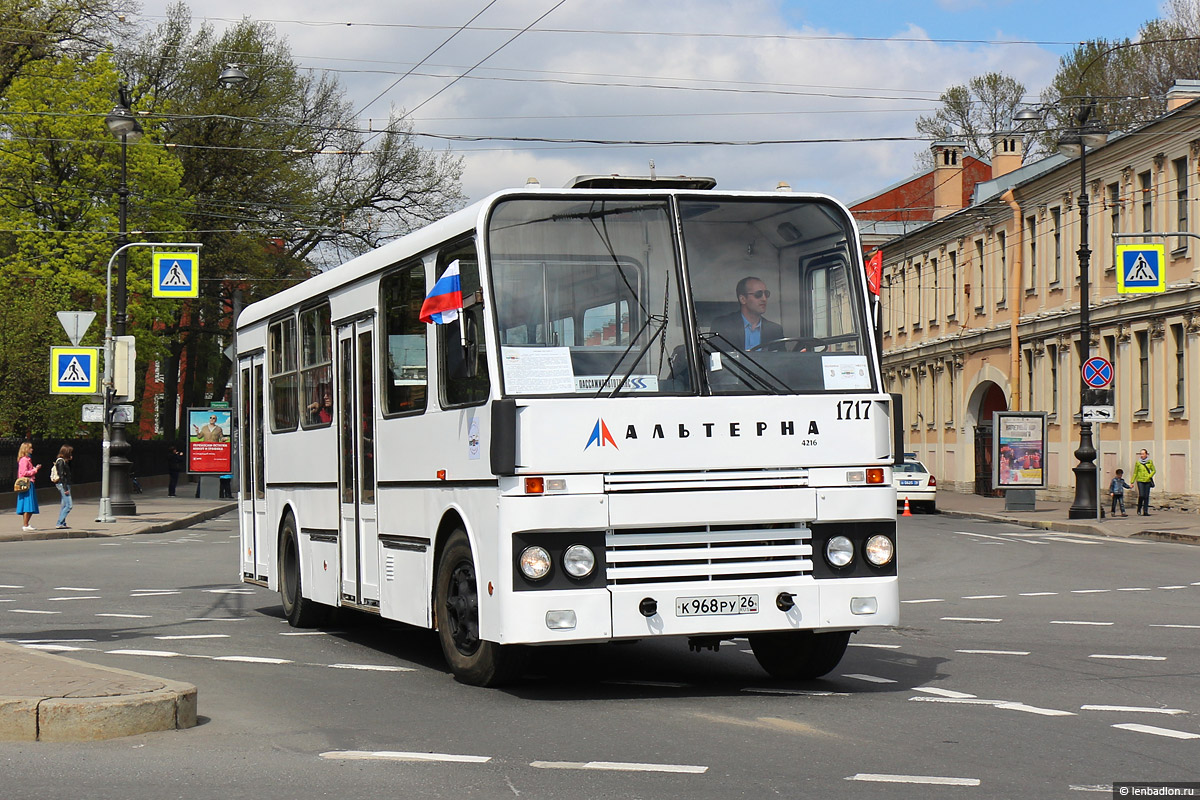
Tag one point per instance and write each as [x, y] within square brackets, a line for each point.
[915, 483]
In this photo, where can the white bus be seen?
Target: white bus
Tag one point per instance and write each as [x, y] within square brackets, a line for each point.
[591, 452]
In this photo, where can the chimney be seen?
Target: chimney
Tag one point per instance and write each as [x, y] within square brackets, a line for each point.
[947, 177]
[1182, 93]
[1007, 152]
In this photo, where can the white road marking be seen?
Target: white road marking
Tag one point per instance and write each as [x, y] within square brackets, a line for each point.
[1076, 622]
[230, 591]
[943, 692]
[1100, 787]
[995, 652]
[794, 692]
[984, 596]
[76, 597]
[1156, 625]
[620, 766]
[73, 589]
[156, 653]
[1172, 587]
[1069, 539]
[195, 636]
[931, 780]
[10, 586]
[152, 594]
[1038, 594]
[253, 659]
[1134, 709]
[372, 667]
[1045, 712]
[929, 600]
[869, 678]
[215, 619]
[983, 536]
[389, 755]
[1133, 726]
[1090, 591]
[1128, 657]
[31, 611]
[1134, 589]
[126, 616]
[880, 646]
[304, 633]
[966, 701]
[57, 648]
[970, 619]
[52, 641]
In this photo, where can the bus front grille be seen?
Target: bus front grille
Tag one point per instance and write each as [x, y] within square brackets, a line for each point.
[707, 553]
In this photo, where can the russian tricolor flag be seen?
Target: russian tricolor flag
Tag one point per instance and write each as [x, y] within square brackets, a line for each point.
[445, 299]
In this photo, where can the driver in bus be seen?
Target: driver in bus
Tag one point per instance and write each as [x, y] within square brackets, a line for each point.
[747, 327]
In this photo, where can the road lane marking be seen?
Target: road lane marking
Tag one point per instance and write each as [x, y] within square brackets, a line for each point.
[995, 652]
[1134, 589]
[1045, 712]
[970, 619]
[304, 633]
[10, 586]
[984, 596]
[57, 648]
[1158, 625]
[126, 616]
[1134, 709]
[1038, 594]
[966, 701]
[794, 692]
[931, 780]
[391, 755]
[1133, 726]
[1128, 657]
[984, 536]
[929, 600]
[152, 594]
[195, 636]
[31, 611]
[155, 653]
[880, 646]
[869, 678]
[1090, 591]
[943, 692]
[254, 659]
[73, 589]
[230, 591]
[620, 766]
[1076, 622]
[215, 619]
[76, 597]
[372, 667]
[1172, 587]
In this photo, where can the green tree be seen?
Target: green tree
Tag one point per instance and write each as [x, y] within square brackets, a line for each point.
[972, 113]
[40, 29]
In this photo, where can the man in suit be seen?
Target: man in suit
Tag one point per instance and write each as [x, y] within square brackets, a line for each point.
[747, 328]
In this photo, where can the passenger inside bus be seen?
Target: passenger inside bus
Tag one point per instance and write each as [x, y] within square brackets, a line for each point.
[321, 409]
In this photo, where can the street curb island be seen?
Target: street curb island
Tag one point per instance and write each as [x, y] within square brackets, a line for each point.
[63, 700]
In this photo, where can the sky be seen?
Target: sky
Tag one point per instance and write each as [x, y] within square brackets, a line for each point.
[821, 95]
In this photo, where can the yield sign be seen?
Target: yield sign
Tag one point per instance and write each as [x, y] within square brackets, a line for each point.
[1097, 372]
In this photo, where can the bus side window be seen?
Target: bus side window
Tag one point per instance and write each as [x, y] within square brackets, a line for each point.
[402, 293]
[464, 372]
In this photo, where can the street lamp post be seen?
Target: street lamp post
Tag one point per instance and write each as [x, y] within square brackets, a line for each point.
[122, 124]
[1076, 142]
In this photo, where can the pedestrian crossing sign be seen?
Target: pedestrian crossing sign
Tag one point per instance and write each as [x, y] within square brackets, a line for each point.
[176, 275]
[1141, 268]
[74, 370]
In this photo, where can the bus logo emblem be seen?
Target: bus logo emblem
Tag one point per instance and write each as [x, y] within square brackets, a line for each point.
[600, 436]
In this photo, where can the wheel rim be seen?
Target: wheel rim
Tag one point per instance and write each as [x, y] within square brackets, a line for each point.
[462, 609]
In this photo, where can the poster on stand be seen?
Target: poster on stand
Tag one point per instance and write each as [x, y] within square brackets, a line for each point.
[1020, 446]
[210, 448]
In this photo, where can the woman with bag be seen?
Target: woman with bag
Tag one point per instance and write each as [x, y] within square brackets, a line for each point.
[61, 475]
[1143, 476]
[27, 504]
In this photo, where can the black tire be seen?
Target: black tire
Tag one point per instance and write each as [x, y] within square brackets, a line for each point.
[299, 610]
[799, 655]
[472, 660]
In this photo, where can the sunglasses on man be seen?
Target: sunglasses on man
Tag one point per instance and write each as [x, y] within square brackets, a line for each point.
[760, 294]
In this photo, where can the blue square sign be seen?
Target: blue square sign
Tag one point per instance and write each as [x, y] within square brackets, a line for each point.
[176, 275]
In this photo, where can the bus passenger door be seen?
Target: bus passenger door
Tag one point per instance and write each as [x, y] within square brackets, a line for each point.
[252, 505]
[359, 535]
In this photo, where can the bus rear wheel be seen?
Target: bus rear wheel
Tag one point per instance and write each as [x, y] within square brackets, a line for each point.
[299, 610]
[799, 655]
[471, 659]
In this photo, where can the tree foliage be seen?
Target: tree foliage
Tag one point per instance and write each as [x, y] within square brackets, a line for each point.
[972, 113]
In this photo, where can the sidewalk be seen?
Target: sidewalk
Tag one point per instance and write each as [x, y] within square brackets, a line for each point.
[1170, 526]
[45, 697]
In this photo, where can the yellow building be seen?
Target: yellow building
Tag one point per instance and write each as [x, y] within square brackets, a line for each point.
[981, 308]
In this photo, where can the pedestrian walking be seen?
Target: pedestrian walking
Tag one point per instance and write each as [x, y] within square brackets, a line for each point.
[27, 504]
[1117, 489]
[60, 476]
[1143, 476]
[227, 486]
[175, 466]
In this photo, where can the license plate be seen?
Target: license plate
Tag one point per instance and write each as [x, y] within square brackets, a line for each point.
[716, 605]
[910, 483]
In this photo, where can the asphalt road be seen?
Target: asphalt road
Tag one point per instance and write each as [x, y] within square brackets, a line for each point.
[1028, 664]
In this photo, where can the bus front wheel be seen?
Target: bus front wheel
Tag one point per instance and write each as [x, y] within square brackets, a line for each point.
[799, 655]
[471, 659]
[299, 610]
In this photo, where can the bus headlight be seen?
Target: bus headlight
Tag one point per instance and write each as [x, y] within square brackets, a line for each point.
[839, 551]
[579, 561]
[880, 550]
[535, 563]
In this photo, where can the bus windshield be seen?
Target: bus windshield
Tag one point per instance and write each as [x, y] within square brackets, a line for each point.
[589, 303]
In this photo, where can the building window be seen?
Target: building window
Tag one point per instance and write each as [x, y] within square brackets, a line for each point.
[933, 398]
[950, 395]
[1031, 225]
[1143, 343]
[1002, 248]
[1029, 379]
[933, 311]
[953, 285]
[1114, 216]
[919, 290]
[1181, 200]
[1180, 369]
[1052, 355]
[981, 290]
[1147, 201]
[1056, 220]
[903, 299]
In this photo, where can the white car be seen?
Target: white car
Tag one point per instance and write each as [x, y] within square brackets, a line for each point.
[916, 484]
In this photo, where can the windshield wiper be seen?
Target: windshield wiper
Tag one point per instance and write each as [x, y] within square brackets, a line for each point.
[632, 341]
[743, 372]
